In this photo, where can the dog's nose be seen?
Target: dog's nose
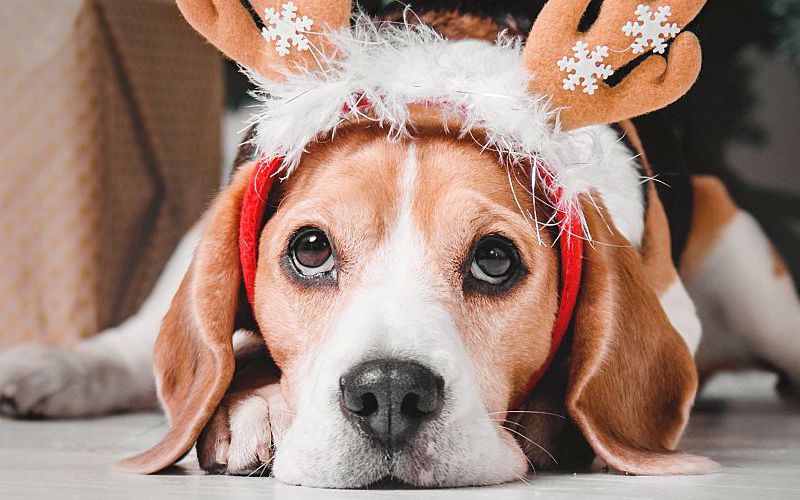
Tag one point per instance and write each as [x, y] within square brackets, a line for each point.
[390, 399]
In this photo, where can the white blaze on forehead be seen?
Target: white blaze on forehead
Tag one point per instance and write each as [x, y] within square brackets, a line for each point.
[398, 295]
[404, 249]
[407, 179]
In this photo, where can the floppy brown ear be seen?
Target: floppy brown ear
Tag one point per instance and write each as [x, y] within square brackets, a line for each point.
[193, 354]
[632, 379]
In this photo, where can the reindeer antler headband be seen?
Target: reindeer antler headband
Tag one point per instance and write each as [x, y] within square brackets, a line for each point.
[623, 31]
[568, 67]
[314, 72]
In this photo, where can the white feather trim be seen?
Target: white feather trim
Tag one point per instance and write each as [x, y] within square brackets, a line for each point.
[484, 85]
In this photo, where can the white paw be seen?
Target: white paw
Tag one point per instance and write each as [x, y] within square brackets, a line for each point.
[39, 381]
[241, 436]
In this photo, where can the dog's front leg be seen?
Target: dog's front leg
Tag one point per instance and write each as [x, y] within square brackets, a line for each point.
[242, 434]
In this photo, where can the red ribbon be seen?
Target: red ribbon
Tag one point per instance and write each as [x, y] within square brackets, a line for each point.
[570, 243]
[254, 205]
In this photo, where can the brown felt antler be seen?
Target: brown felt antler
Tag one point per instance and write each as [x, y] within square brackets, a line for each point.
[560, 58]
[267, 36]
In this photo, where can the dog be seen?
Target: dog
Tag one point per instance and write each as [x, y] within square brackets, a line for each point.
[407, 303]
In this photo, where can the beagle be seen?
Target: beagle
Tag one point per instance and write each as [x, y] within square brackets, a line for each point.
[417, 275]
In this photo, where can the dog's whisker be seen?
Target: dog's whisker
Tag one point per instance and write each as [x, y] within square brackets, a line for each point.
[525, 480]
[268, 463]
[255, 470]
[526, 438]
[532, 467]
[527, 412]
[262, 466]
[506, 421]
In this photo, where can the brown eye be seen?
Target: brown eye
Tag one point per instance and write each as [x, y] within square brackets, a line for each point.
[311, 252]
[494, 260]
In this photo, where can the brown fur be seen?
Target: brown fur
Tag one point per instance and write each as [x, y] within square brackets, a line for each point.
[714, 209]
[632, 380]
[779, 267]
[656, 247]
[453, 25]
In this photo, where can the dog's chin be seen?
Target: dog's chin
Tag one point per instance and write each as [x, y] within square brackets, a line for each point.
[448, 461]
[423, 463]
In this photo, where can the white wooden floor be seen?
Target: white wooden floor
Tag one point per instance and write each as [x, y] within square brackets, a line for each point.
[740, 422]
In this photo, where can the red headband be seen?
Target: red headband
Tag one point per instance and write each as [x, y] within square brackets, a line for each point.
[570, 245]
[252, 218]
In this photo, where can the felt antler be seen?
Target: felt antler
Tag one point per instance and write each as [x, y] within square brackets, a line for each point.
[570, 66]
[267, 36]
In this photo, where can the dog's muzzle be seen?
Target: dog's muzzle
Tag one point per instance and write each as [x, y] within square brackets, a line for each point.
[389, 399]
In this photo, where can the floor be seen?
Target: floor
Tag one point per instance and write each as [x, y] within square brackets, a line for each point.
[740, 422]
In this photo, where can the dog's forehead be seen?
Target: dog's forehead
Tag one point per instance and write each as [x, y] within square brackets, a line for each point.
[362, 177]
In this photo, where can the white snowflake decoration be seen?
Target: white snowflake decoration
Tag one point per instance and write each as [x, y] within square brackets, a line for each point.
[651, 29]
[288, 29]
[585, 67]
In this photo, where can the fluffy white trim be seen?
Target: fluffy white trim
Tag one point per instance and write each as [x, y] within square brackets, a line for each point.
[484, 85]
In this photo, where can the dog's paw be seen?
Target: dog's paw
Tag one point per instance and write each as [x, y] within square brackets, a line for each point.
[36, 381]
[241, 436]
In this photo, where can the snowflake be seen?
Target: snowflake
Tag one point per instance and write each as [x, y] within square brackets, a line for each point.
[287, 29]
[585, 67]
[652, 29]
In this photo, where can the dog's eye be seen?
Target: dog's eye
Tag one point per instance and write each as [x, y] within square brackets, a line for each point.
[311, 252]
[494, 260]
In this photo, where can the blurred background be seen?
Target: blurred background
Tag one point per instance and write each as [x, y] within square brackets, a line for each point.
[118, 123]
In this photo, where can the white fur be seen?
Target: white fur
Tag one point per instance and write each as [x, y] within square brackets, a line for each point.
[251, 436]
[750, 313]
[681, 312]
[395, 314]
[483, 85]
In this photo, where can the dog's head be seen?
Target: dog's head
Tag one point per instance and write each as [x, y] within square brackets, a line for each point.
[407, 287]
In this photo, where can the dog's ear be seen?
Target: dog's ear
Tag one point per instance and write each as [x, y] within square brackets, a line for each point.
[193, 355]
[632, 380]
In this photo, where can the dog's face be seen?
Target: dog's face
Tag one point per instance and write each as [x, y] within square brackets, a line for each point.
[407, 299]
[407, 291]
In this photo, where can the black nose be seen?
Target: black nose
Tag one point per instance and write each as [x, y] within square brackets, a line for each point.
[390, 399]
